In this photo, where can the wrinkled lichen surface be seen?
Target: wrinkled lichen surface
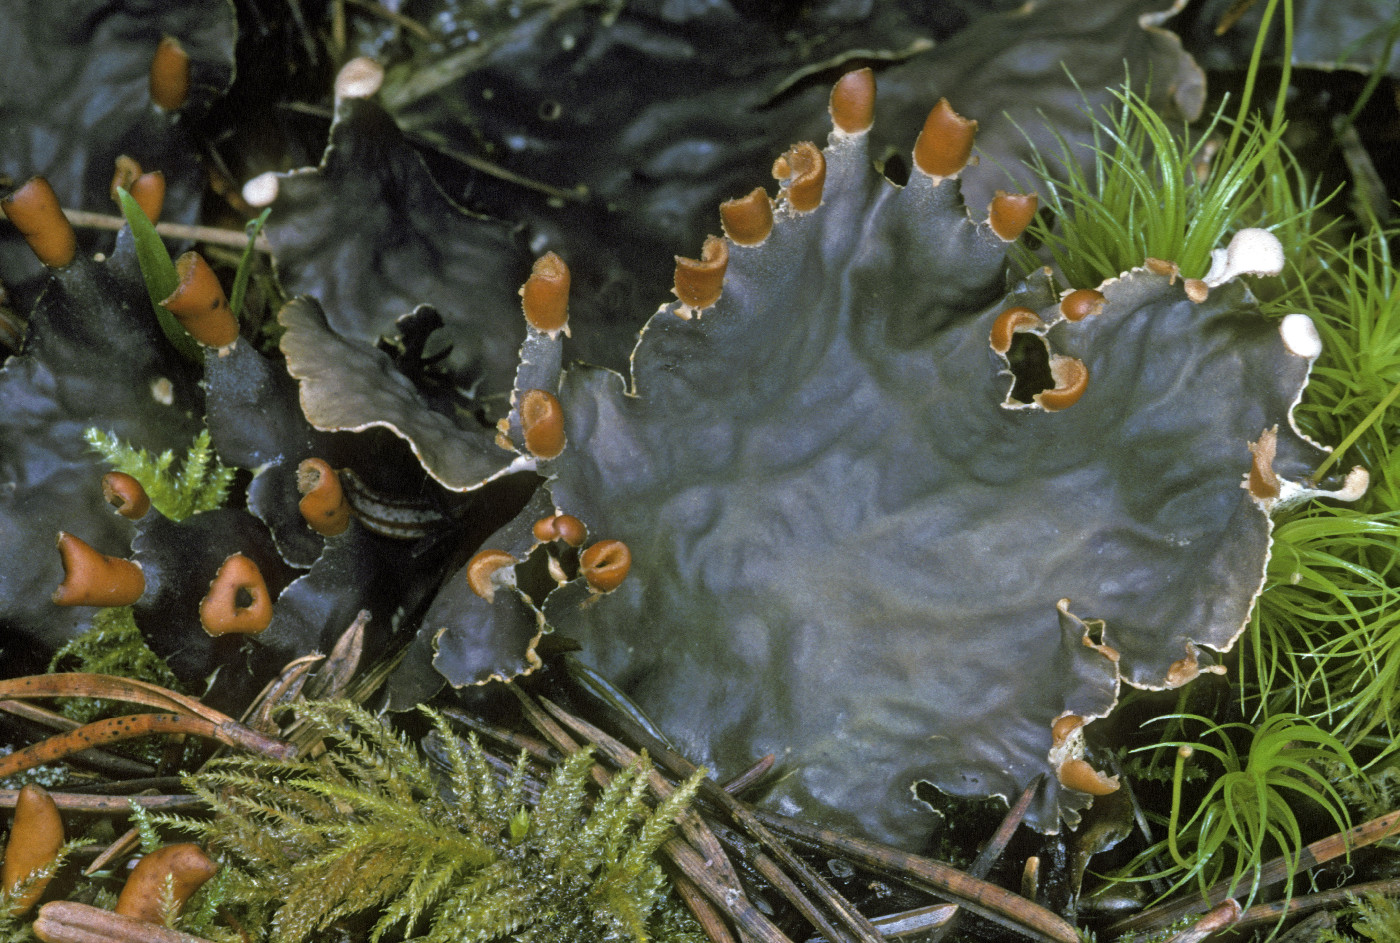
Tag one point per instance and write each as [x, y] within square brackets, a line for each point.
[852, 548]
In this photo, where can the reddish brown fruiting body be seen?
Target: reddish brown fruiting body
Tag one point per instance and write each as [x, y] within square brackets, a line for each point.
[1263, 481]
[1079, 775]
[852, 104]
[699, 281]
[95, 579]
[1009, 323]
[804, 169]
[199, 303]
[170, 74]
[482, 569]
[222, 611]
[1082, 303]
[1196, 289]
[542, 420]
[126, 495]
[125, 170]
[1162, 267]
[945, 143]
[148, 190]
[35, 212]
[545, 294]
[1071, 378]
[1063, 727]
[747, 220]
[563, 527]
[323, 505]
[185, 866]
[1183, 670]
[35, 839]
[605, 565]
[1010, 213]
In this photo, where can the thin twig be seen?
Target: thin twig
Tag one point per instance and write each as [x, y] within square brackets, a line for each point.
[1319, 852]
[851, 919]
[124, 844]
[691, 863]
[578, 194]
[750, 776]
[116, 729]
[108, 687]
[66, 922]
[108, 805]
[111, 764]
[1221, 916]
[982, 898]
[982, 866]
[504, 735]
[214, 235]
[1262, 914]
[907, 922]
[398, 19]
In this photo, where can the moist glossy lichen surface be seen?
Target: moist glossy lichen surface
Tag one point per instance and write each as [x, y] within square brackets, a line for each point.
[852, 548]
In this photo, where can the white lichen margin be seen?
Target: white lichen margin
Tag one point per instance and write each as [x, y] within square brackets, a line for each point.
[1250, 252]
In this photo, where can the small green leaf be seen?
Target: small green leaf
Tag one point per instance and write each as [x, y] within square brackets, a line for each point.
[245, 264]
[519, 825]
[158, 271]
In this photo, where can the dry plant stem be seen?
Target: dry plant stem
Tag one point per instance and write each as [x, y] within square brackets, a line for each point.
[109, 805]
[112, 688]
[576, 195]
[100, 760]
[852, 920]
[108, 687]
[986, 900]
[536, 748]
[1221, 917]
[982, 866]
[1265, 914]
[746, 779]
[124, 845]
[765, 865]
[279, 692]
[907, 922]
[115, 729]
[691, 863]
[1319, 852]
[705, 913]
[774, 875]
[303, 736]
[398, 19]
[339, 668]
[233, 238]
[66, 922]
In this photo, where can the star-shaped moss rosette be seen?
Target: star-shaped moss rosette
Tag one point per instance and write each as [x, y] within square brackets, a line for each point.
[93, 357]
[94, 81]
[828, 520]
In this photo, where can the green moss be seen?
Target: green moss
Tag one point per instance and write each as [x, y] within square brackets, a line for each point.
[1375, 918]
[113, 646]
[366, 833]
[201, 482]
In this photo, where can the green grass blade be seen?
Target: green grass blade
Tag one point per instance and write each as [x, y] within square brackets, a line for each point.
[158, 271]
[245, 264]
